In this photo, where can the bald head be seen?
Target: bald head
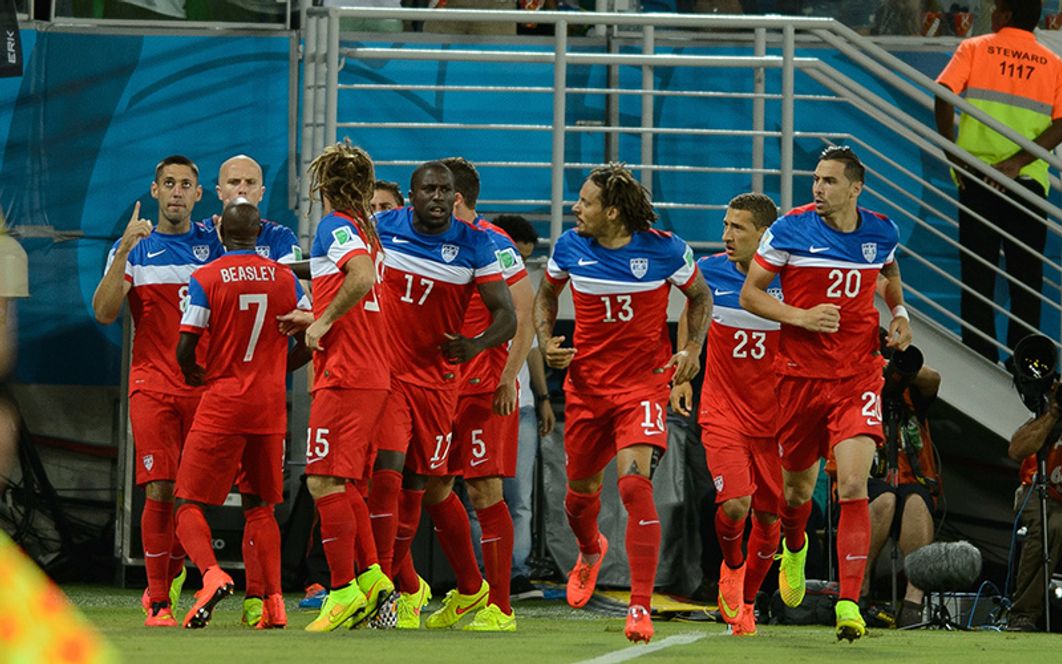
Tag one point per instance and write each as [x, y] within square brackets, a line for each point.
[240, 224]
[240, 176]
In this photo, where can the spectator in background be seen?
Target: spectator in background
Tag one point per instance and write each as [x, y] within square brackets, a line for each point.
[472, 27]
[1017, 81]
[386, 196]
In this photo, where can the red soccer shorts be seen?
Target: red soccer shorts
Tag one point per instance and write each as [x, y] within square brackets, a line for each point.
[485, 444]
[817, 413]
[743, 465]
[210, 461]
[160, 422]
[418, 421]
[597, 426]
[343, 423]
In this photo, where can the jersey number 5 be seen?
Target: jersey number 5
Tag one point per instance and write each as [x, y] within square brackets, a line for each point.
[260, 302]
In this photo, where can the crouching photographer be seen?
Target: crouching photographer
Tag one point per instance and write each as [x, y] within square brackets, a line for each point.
[1037, 444]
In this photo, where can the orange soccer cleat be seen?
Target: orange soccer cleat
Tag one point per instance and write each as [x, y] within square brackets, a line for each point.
[274, 615]
[217, 585]
[583, 577]
[731, 591]
[746, 624]
[160, 615]
[639, 624]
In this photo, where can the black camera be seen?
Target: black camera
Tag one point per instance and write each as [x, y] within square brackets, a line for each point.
[1035, 371]
[903, 366]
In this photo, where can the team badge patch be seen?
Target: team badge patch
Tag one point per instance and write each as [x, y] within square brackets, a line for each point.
[507, 258]
[296, 251]
[870, 251]
[718, 481]
[262, 251]
[201, 252]
[449, 252]
[149, 462]
[639, 266]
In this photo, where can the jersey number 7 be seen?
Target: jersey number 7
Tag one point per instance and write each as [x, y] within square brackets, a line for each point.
[260, 302]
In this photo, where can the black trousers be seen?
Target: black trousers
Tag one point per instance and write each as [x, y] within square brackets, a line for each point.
[984, 242]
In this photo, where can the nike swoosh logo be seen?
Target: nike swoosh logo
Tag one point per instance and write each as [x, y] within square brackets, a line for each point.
[380, 516]
[652, 433]
[644, 522]
[731, 539]
[476, 463]
[152, 254]
[583, 262]
[156, 555]
[730, 613]
[817, 250]
[720, 293]
[330, 539]
[461, 610]
[769, 556]
[437, 465]
[398, 240]
[850, 557]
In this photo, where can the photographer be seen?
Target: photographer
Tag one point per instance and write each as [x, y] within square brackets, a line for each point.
[1027, 611]
[903, 491]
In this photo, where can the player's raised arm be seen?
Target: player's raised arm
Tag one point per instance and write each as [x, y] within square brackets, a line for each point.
[755, 299]
[892, 291]
[113, 287]
[359, 277]
[499, 303]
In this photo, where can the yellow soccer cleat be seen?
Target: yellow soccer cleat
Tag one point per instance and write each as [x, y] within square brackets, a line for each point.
[377, 589]
[176, 586]
[850, 623]
[456, 606]
[492, 619]
[252, 612]
[409, 605]
[791, 581]
[337, 609]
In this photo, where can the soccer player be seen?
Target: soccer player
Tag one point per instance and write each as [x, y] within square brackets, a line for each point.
[351, 381]
[487, 425]
[829, 254]
[242, 419]
[386, 196]
[737, 413]
[241, 177]
[434, 263]
[151, 265]
[617, 385]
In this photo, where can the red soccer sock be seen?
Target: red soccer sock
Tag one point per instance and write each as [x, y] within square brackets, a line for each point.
[195, 536]
[337, 537]
[265, 544]
[255, 577]
[582, 510]
[497, 545]
[763, 544]
[794, 523]
[853, 544]
[156, 536]
[455, 538]
[729, 533]
[643, 536]
[409, 508]
[384, 509]
[405, 577]
[364, 542]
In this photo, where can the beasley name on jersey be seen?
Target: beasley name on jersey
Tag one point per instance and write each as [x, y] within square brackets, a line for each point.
[158, 269]
[481, 373]
[741, 350]
[275, 241]
[429, 280]
[355, 353]
[620, 297]
[821, 265]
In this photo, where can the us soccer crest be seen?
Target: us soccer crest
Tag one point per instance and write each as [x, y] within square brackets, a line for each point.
[718, 482]
[639, 266]
[201, 252]
[449, 252]
[149, 462]
[262, 251]
[870, 251]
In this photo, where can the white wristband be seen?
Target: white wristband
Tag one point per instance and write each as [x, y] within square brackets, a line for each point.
[900, 311]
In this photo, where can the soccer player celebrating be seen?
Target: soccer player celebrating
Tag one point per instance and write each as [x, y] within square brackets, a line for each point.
[738, 412]
[351, 381]
[829, 254]
[151, 265]
[241, 421]
[617, 385]
[487, 425]
[434, 264]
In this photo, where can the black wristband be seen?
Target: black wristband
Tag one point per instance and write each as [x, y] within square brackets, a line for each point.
[539, 398]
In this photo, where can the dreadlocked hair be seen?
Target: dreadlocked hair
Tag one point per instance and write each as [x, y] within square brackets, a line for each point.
[344, 174]
[619, 189]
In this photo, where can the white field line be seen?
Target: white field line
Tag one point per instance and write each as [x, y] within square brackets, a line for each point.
[634, 651]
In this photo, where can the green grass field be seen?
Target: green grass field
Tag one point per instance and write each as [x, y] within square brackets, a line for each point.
[548, 632]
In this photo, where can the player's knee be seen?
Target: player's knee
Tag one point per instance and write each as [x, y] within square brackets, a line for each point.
[798, 494]
[320, 486]
[736, 509]
[161, 491]
[588, 486]
[250, 501]
[437, 489]
[484, 492]
[851, 488]
[885, 504]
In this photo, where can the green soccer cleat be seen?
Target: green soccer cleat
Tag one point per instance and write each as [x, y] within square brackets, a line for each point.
[791, 581]
[456, 606]
[252, 612]
[176, 586]
[337, 609]
[377, 589]
[492, 619]
[850, 623]
[409, 605]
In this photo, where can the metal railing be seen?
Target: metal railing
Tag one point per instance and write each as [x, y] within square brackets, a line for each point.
[645, 42]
